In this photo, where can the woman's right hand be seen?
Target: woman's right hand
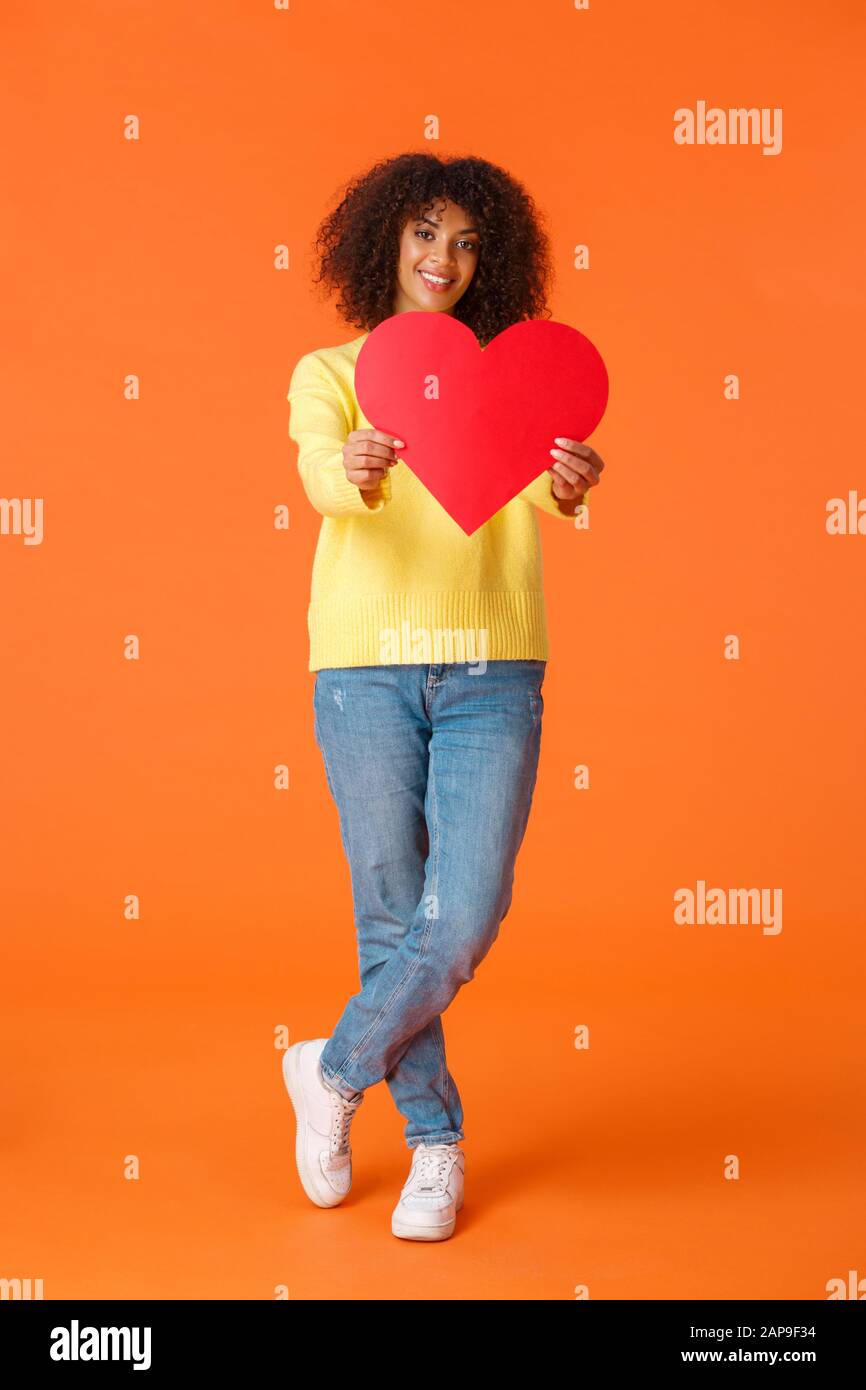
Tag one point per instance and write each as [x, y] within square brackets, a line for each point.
[367, 456]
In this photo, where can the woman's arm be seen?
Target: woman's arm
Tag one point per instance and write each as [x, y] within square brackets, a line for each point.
[319, 425]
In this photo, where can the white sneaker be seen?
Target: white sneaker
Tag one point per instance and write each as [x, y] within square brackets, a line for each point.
[432, 1194]
[322, 1150]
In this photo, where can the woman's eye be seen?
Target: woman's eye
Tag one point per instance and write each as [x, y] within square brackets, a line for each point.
[427, 236]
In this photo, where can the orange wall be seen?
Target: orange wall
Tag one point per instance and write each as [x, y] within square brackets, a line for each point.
[602, 1167]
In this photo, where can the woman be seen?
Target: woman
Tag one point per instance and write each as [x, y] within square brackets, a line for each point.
[430, 649]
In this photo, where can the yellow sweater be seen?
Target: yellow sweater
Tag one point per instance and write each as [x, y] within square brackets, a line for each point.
[395, 579]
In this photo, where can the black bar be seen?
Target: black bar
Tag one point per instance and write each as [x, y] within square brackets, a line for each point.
[217, 1336]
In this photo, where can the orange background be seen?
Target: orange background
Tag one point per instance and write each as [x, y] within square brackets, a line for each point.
[601, 1167]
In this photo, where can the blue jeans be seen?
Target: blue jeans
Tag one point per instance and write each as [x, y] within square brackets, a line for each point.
[432, 769]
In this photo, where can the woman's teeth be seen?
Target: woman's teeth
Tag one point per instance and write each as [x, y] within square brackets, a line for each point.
[434, 282]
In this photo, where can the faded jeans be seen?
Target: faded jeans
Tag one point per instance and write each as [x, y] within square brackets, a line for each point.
[432, 769]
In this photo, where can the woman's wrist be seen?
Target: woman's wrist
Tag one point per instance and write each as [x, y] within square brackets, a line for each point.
[568, 505]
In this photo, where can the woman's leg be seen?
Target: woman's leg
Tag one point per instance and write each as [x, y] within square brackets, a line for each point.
[374, 733]
[483, 761]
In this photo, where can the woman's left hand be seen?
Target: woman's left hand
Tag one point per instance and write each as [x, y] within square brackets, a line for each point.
[577, 468]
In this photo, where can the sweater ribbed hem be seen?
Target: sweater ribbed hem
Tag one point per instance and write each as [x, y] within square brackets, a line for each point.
[403, 629]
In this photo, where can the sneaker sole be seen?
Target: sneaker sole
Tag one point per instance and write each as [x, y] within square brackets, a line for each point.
[296, 1095]
[406, 1232]
[423, 1232]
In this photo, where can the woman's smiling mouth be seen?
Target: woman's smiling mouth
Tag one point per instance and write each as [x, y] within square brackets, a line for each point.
[436, 283]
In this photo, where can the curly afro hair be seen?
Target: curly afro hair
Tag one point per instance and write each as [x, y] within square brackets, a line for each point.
[357, 245]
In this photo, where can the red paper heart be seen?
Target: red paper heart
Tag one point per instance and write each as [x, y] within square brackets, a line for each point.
[489, 430]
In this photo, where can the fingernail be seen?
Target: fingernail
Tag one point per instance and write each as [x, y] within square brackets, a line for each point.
[561, 442]
[399, 444]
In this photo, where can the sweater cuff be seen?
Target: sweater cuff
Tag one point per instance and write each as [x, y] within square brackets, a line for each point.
[351, 501]
[540, 491]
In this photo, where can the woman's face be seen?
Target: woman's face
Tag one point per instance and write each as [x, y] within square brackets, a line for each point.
[440, 246]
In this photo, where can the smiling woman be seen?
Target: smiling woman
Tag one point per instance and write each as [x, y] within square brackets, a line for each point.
[431, 758]
[462, 219]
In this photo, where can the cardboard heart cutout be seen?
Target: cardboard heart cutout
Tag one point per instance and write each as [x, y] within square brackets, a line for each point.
[478, 423]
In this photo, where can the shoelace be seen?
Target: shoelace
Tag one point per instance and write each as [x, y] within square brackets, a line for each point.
[343, 1113]
[432, 1168]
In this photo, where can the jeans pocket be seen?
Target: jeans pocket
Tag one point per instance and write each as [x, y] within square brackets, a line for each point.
[316, 733]
[536, 703]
